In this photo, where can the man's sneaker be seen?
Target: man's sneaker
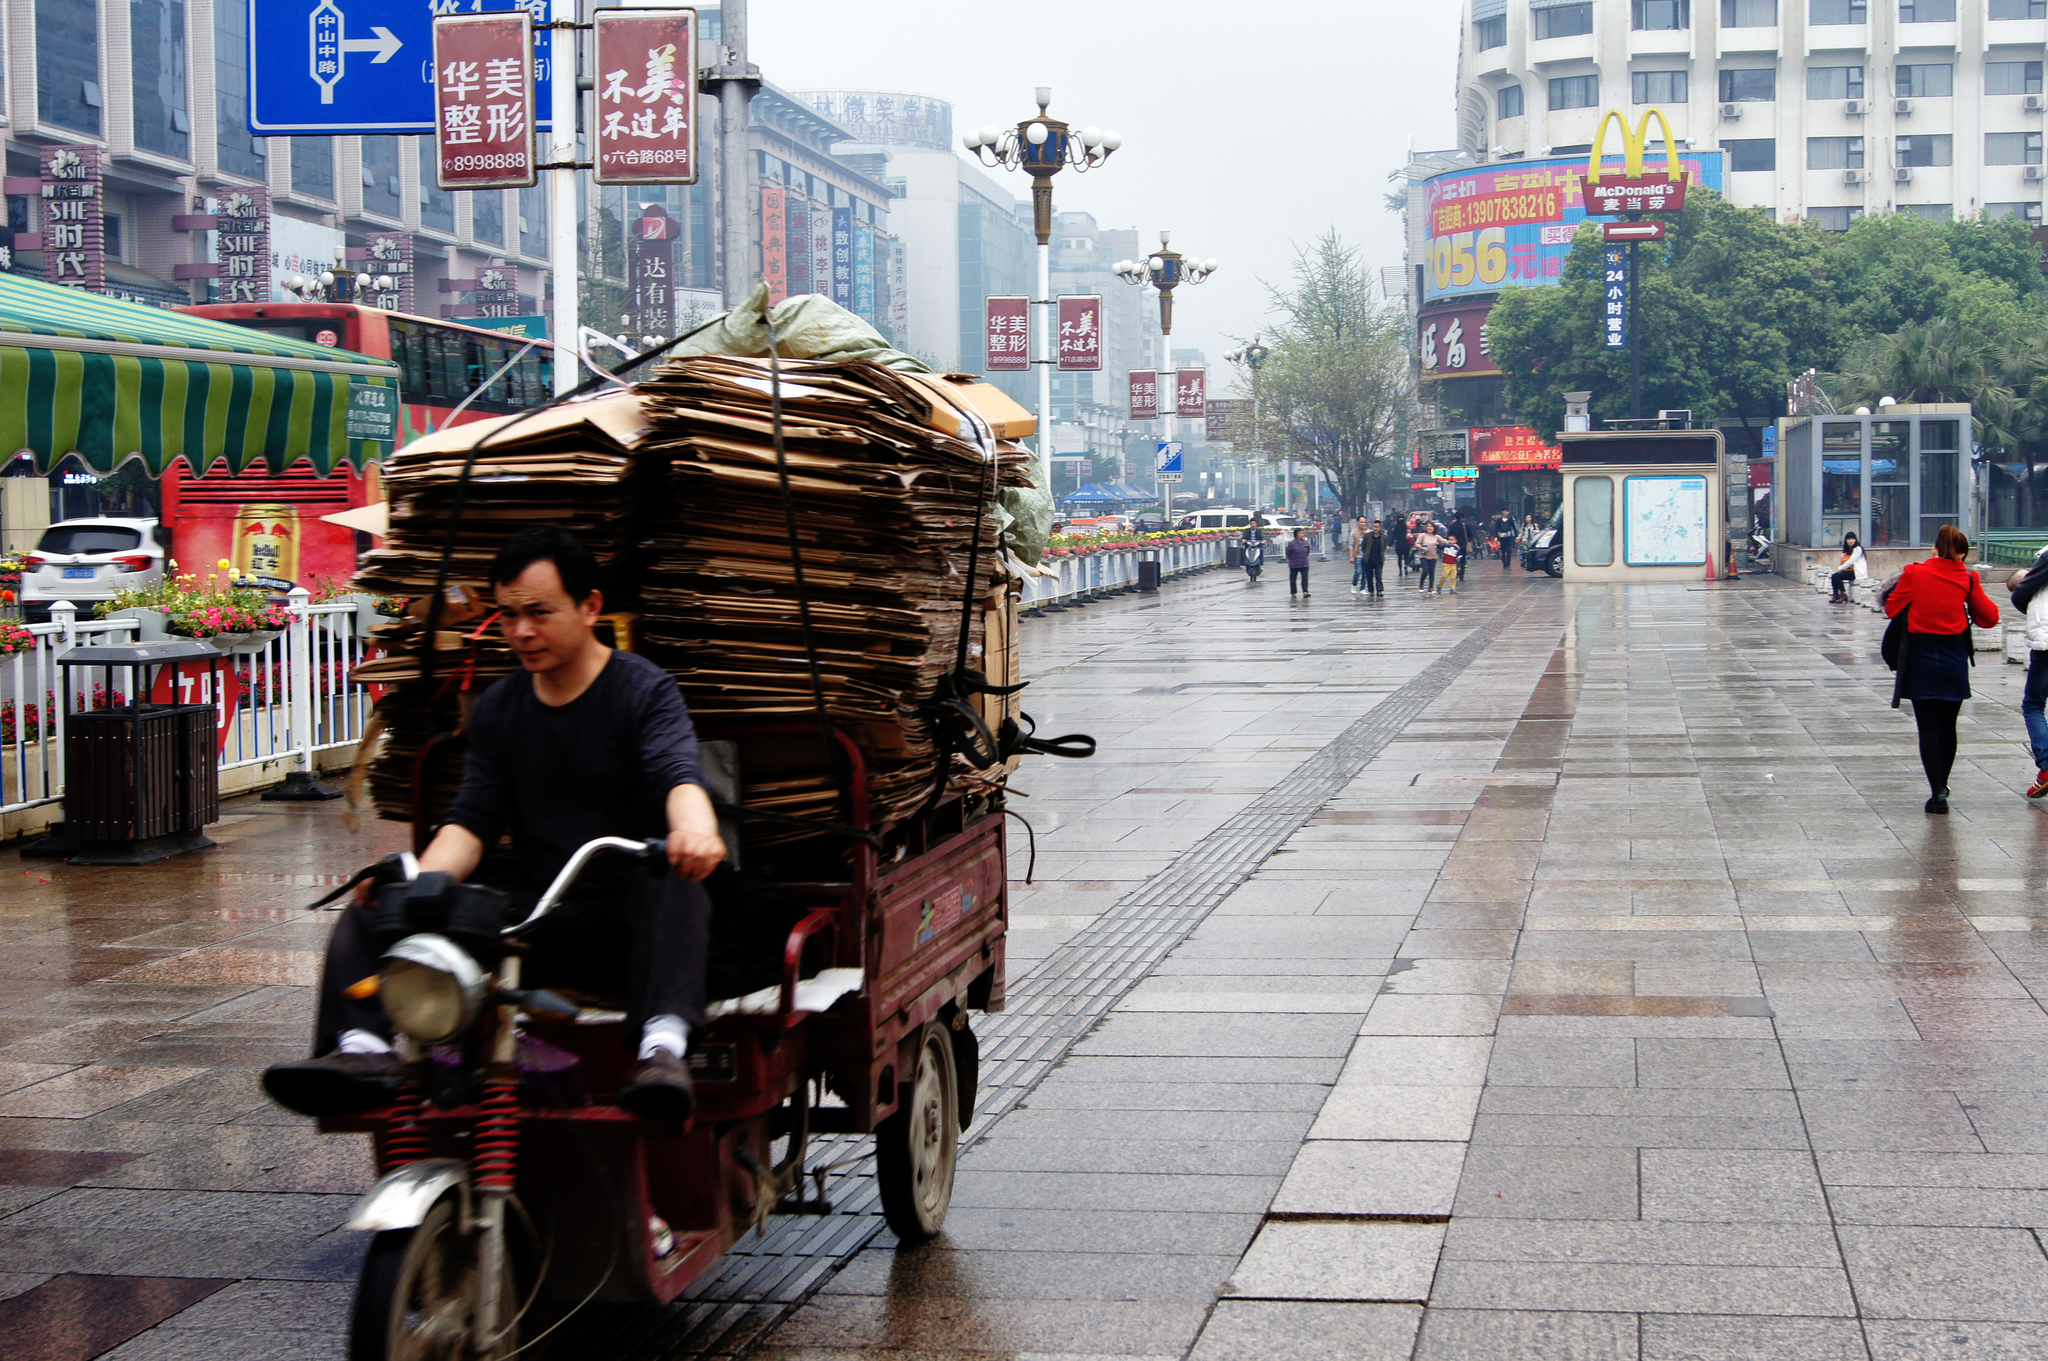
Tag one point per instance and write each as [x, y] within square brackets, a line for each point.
[334, 1084]
[2039, 786]
[658, 1088]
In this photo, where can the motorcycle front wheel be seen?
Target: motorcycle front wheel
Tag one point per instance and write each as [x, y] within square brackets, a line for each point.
[416, 1297]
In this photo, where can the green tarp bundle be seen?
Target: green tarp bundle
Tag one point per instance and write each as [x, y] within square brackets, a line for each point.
[111, 381]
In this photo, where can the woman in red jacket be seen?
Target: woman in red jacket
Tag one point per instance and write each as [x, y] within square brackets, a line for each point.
[1945, 598]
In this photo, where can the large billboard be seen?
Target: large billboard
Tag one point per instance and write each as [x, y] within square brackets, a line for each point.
[1512, 223]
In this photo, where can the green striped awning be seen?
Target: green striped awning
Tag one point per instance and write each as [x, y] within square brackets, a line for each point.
[112, 381]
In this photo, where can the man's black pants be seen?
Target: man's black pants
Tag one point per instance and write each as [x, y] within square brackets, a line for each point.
[646, 941]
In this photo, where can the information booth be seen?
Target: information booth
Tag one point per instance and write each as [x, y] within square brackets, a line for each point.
[1643, 506]
[1893, 478]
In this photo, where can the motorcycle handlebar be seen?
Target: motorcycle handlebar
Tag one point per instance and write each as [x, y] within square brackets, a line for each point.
[640, 850]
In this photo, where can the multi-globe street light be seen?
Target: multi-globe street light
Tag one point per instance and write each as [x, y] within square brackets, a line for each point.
[1165, 269]
[1248, 357]
[1042, 146]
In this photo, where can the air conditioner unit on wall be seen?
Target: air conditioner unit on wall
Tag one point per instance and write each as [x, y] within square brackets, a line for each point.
[2032, 173]
[1856, 108]
[1852, 177]
[1731, 111]
[1903, 175]
[1902, 106]
[2033, 103]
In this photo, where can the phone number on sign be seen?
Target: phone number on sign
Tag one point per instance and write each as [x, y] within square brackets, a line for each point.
[508, 160]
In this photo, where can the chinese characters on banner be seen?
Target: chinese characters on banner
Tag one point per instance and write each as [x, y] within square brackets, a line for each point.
[842, 257]
[1192, 387]
[74, 223]
[1451, 344]
[798, 234]
[863, 303]
[1080, 331]
[241, 245]
[651, 272]
[1229, 418]
[496, 293]
[1009, 334]
[483, 101]
[1614, 296]
[774, 247]
[390, 253]
[1510, 448]
[821, 251]
[898, 301]
[646, 96]
[1144, 395]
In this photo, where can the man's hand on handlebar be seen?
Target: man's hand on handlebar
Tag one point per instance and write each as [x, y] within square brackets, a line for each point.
[694, 845]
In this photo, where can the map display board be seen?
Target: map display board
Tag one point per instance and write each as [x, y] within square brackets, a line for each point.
[1664, 521]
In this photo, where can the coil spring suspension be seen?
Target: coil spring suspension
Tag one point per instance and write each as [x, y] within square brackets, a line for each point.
[405, 1136]
[497, 1137]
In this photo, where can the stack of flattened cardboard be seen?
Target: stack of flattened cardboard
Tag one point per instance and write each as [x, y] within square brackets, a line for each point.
[674, 484]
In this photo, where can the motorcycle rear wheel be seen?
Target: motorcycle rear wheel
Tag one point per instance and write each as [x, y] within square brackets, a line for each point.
[416, 1297]
[917, 1147]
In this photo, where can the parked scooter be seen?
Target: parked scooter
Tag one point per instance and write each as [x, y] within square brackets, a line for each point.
[1759, 548]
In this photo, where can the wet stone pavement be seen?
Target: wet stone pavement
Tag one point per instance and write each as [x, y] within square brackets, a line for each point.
[1544, 972]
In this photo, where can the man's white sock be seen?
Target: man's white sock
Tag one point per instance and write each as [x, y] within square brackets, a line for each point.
[664, 1034]
[362, 1042]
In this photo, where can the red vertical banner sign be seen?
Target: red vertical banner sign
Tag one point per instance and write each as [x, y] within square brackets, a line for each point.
[1144, 394]
[774, 245]
[74, 219]
[1192, 385]
[646, 96]
[1080, 331]
[483, 101]
[390, 253]
[1009, 334]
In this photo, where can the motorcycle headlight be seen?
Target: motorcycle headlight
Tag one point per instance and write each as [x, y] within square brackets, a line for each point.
[430, 987]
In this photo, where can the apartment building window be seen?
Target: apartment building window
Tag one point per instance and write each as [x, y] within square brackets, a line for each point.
[437, 205]
[68, 64]
[1926, 150]
[1834, 153]
[2019, 9]
[1660, 14]
[1930, 81]
[1751, 153]
[380, 177]
[533, 221]
[163, 122]
[240, 153]
[313, 167]
[2012, 148]
[1749, 86]
[2029, 213]
[1833, 219]
[1660, 87]
[1491, 33]
[486, 214]
[1930, 212]
[1749, 13]
[1834, 82]
[1837, 12]
[1562, 21]
[1508, 103]
[1927, 11]
[1574, 92]
[2012, 77]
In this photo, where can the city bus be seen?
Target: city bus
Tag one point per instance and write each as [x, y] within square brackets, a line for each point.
[269, 524]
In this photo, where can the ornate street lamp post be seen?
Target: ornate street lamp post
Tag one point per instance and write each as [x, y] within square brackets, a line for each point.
[1250, 356]
[1042, 146]
[1165, 269]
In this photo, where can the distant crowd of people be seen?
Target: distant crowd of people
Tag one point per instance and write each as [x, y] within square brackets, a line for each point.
[1420, 544]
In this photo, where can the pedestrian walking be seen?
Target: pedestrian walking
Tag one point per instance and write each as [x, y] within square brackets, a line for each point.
[1427, 544]
[1504, 539]
[1854, 567]
[2028, 596]
[1298, 550]
[1368, 558]
[1399, 539]
[1452, 554]
[1461, 534]
[1940, 598]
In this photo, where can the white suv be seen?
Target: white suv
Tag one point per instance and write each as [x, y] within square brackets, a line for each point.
[87, 561]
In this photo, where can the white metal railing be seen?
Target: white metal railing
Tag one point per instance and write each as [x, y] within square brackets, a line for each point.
[293, 697]
[1098, 575]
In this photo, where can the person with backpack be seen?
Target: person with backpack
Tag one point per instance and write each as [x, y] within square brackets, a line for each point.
[2028, 596]
[1937, 599]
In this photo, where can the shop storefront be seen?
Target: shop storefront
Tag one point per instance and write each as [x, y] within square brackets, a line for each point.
[1518, 472]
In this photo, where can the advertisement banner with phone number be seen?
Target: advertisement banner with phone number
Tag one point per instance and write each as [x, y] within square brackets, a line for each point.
[1512, 223]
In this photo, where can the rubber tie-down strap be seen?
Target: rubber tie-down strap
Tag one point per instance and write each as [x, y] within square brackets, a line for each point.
[1017, 741]
[818, 825]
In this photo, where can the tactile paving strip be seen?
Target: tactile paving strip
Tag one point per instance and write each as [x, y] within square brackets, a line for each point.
[1048, 1011]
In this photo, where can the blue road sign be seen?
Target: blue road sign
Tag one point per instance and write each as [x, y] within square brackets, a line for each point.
[1169, 457]
[357, 66]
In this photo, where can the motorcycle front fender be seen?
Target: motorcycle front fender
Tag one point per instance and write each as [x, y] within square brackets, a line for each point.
[401, 1199]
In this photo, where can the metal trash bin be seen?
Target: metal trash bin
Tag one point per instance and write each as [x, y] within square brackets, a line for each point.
[142, 780]
[1148, 573]
[1233, 555]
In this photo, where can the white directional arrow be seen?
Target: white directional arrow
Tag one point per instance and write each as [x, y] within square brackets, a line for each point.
[385, 44]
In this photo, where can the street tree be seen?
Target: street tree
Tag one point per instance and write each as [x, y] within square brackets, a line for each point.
[1337, 389]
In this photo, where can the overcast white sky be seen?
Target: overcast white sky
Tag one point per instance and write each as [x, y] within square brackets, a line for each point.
[1247, 127]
